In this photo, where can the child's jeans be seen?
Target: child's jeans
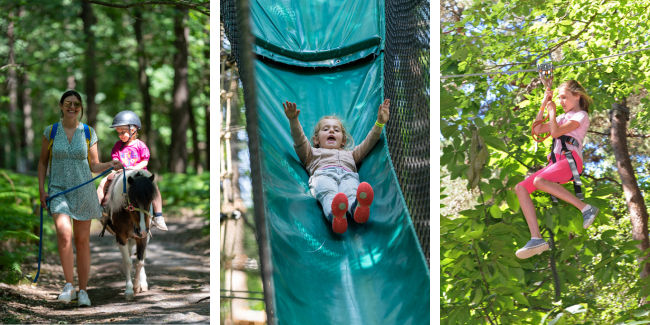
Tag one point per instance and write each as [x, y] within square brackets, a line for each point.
[326, 182]
[560, 172]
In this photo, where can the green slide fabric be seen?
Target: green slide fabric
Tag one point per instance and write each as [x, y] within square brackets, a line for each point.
[374, 273]
[317, 32]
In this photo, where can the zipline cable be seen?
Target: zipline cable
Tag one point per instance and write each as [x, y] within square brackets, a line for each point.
[535, 70]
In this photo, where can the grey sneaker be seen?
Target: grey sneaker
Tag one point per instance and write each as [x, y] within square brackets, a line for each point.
[589, 217]
[83, 299]
[68, 294]
[533, 247]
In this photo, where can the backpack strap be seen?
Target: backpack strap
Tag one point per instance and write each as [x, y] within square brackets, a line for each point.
[87, 133]
[51, 137]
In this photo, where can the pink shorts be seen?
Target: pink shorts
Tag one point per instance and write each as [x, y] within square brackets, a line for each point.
[560, 172]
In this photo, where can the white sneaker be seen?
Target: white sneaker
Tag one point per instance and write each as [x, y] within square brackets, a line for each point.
[83, 299]
[68, 294]
[160, 223]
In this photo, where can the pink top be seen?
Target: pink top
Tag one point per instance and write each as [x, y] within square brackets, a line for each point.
[579, 133]
[132, 154]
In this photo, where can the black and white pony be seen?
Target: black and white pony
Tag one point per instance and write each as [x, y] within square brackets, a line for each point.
[130, 221]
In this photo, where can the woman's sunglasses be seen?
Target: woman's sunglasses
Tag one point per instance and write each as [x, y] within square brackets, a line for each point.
[67, 104]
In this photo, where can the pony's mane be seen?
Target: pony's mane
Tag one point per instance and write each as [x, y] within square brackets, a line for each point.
[117, 201]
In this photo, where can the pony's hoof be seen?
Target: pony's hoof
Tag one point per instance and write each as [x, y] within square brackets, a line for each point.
[137, 290]
[144, 288]
[128, 296]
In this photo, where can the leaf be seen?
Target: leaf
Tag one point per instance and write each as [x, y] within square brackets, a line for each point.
[604, 192]
[513, 201]
[520, 298]
[496, 212]
[478, 295]
[576, 309]
[568, 252]
[495, 143]
[556, 320]
[504, 270]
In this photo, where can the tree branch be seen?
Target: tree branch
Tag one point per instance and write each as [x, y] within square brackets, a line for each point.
[29, 65]
[186, 4]
[629, 135]
[602, 179]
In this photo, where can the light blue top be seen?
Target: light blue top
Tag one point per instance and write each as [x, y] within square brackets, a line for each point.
[69, 169]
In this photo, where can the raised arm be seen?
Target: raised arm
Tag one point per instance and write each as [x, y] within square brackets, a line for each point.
[301, 143]
[555, 129]
[543, 128]
[96, 166]
[363, 149]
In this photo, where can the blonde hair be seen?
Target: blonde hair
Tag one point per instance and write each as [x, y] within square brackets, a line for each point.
[347, 142]
[578, 90]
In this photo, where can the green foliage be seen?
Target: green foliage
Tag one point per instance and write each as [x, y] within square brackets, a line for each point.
[19, 224]
[186, 191]
[482, 281]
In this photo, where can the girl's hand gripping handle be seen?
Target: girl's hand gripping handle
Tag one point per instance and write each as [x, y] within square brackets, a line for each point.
[290, 110]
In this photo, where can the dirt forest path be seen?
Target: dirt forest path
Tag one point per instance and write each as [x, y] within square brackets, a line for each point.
[178, 272]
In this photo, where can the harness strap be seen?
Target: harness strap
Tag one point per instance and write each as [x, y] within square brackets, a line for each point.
[577, 183]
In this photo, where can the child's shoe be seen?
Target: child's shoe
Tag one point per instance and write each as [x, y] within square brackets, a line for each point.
[361, 208]
[339, 209]
[68, 293]
[534, 246]
[159, 222]
[589, 216]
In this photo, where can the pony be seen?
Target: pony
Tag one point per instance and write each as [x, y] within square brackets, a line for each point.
[129, 221]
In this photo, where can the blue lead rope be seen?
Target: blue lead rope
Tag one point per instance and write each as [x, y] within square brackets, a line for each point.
[47, 200]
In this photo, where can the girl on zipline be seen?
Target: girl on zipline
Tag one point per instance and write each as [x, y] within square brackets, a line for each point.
[72, 158]
[332, 166]
[573, 124]
[133, 154]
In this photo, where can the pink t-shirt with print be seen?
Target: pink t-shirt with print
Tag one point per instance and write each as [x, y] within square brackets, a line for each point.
[132, 154]
[579, 133]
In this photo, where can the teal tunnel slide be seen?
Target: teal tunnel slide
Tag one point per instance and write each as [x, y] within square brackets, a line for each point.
[327, 57]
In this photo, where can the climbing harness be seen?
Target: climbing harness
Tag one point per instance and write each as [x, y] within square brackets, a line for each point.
[47, 201]
[577, 183]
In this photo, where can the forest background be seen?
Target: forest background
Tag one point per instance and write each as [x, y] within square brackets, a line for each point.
[594, 276]
[153, 60]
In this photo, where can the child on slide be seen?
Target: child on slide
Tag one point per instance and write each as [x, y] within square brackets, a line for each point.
[332, 167]
[574, 123]
[133, 154]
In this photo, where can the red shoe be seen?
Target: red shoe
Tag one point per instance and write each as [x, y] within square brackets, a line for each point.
[339, 209]
[365, 195]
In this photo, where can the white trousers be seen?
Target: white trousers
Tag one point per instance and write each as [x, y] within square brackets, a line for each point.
[325, 183]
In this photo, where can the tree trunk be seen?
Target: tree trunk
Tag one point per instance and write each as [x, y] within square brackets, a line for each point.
[206, 54]
[91, 89]
[207, 137]
[28, 135]
[13, 145]
[180, 108]
[638, 212]
[144, 84]
[196, 153]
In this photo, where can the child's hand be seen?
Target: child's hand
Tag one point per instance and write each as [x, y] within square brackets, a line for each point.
[383, 113]
[290, 110]
[551, 108]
